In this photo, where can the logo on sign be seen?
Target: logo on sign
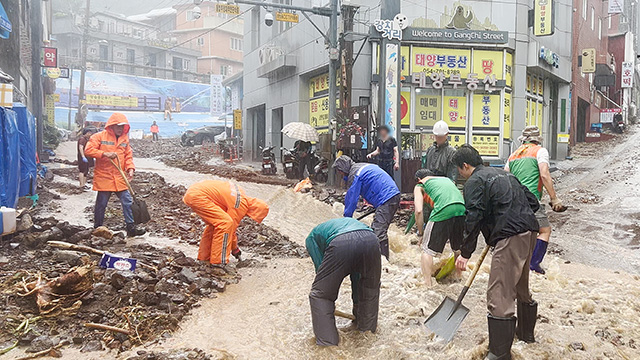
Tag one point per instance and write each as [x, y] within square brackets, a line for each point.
[459, 20]
[122, 265]
[392, 29]
[549, 57]
[50, 57]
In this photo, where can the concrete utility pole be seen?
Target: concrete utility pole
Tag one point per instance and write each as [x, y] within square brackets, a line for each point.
[334, 55]
[388, 10]
[80, 117]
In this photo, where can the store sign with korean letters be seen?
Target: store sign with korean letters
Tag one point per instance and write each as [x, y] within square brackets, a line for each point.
[626, 79]
[439, 80]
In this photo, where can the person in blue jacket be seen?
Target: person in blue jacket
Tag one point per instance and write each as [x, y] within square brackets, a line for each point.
[341, 247]
[377, 188]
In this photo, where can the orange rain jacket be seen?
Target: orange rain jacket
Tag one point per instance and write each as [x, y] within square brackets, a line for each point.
[221, 205]
[105, 176]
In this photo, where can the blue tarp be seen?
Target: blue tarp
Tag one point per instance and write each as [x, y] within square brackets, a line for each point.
[10, 160]
[28, 169]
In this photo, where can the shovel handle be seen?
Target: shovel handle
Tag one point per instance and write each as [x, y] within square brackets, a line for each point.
[124, 176]
[478, 264]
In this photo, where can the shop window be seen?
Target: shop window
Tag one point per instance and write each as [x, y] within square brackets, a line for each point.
[427, 107]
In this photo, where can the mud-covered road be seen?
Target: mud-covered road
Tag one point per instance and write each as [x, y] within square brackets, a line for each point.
[589, 299]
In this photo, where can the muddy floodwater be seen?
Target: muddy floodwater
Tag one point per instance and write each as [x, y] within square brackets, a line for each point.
[589, 301]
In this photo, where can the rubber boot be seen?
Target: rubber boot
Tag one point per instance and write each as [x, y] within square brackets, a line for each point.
[527, 316]
[501, 332]
[133, 230]
[538, 255]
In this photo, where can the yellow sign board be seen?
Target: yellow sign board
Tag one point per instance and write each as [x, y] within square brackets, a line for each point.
[487, 145]
[487, 62]
[543, 18]
[237, 119]
[455, 111]
[405, 105]
[588, 61]
[455, 140]
[540, 86]
[50, 109]
[319, 112]
[563, 138]
[440, 60]
[319, 85]
[486, 111]
[109, 100]
[228, 9]
[427, 109]
[287, 17]
[56, 97]
[506, 126]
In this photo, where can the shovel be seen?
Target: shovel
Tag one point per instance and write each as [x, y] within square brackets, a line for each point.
[139, 207]
[447, 318]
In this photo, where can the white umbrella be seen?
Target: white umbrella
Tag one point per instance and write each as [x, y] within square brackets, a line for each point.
[300, 131]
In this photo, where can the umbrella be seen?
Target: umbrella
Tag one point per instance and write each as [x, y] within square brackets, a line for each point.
[300, 131]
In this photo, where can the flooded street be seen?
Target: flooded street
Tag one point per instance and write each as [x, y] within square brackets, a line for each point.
[589, 299]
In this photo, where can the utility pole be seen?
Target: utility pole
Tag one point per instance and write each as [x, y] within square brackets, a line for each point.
[80, 116]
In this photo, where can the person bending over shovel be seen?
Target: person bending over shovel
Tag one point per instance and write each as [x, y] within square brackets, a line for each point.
[499, 205]
[222, 205]
[376, 187]
[446, 221]
[338, 248]
[112, 144]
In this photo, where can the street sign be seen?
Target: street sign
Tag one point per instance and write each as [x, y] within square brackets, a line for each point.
[543, 18]
[64, 73]
[53, 73]
[237, 119]
[606, 115]
[588, 61]
[287, 17]
[228, 9]
[616, 6]
[626, 78]
[49, 57]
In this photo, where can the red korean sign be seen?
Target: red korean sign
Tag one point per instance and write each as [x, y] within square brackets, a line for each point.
[50, 57]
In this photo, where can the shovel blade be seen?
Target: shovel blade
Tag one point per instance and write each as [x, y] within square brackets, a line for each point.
[443, 322]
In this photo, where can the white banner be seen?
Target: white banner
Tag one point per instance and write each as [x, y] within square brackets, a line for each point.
[616, 6]
[626, 78]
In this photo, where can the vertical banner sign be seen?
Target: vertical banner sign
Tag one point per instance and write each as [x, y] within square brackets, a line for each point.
[543, 18]
[319, 102]
[506, 127]
[589, 61]
[50, 57]
[427, 109]
[217, 95]
[626, 79]
[391, 88]
[486, 111]
[50, 109]
[616, 6]
[508, 69]
[237, 119]
[455, 111]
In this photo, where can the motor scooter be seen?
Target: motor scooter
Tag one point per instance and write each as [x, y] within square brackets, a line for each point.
[289, 163]
[321, 169]
[268, 161]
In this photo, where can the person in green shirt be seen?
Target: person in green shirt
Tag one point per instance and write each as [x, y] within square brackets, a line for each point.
[338, 248]
[446, 221]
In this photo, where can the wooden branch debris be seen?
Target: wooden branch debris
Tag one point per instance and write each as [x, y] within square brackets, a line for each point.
[45, 352]
[108, 328]
[89, 250]
[344, 315]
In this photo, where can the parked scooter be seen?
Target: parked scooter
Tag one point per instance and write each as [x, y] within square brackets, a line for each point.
[321, 169]
[618, 124]
[268, 161]
[289, 163]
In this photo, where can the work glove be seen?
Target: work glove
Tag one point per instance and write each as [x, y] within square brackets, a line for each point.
[237, 253]
[557, 206]
[84, 160]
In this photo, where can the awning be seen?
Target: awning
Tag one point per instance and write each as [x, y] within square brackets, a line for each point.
[5, 24]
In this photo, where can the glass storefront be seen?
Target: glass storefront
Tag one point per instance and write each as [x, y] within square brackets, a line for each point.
[470, 89]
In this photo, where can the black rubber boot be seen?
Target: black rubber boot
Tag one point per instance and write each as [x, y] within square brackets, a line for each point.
[133, 230]
[501, 332]
[527, 316]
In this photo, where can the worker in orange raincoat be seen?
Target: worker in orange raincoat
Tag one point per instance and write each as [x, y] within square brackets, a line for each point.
[112, 144]
[221, 205]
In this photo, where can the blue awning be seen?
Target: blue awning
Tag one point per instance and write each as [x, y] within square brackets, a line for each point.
[5, 24]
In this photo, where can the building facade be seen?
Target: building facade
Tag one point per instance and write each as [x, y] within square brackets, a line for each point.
[121, 45]
[476, 65]
[217, 36]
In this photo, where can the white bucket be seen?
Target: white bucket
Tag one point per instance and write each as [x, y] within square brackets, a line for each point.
[8, 219]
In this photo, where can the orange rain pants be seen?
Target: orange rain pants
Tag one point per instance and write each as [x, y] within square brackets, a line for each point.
[221, 205]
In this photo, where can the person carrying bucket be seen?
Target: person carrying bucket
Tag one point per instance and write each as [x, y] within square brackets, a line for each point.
[108, 146]
[446, 220]
[222, 205]
[341, 247]
[503, 209]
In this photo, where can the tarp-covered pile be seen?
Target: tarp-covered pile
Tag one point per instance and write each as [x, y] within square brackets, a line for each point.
[17, 154]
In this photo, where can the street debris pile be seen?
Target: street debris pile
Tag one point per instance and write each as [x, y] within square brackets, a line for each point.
[171, 218]
[196, 159]
[52, 296]
[176, 354]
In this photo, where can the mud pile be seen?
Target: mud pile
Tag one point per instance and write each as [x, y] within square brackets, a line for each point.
[196, 159]
[146, 304]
